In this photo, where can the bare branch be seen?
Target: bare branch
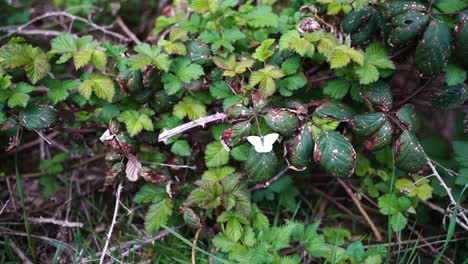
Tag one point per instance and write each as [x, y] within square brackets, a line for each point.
[16, 30]
[202, 121]
[449, 193]
[356, 201]
[17, 250]
[54, 221]
[127, 31]
[116, 210]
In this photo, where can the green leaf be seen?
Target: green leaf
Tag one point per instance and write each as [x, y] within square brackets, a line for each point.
[240, 152]
[454, 75]
[262, 16]
[186, 71]
[37, 117]
[409, 155]
[261, 167]
[204, 6]
[299, 149]
[149, 55]
[283, 121]
[217, 174]
[335, 154]
[172, 83]
[58, 89]
[63, 43]
[434, 49]
[158, 214]
[407, 115]
[216, 155]
[449, 97]
[420, 188]
[461, 38]
[460, 148]
[263, 51]
[265, 79]
[20, 96]
[33, 60]
[406, 27]
[367, 73]
[99, 59]
[149, 193]
[181, 148]
[335, 110]
[376, 57]
[82, 57]
[293, 82]
[291, 65]
[38, 66]
[451, 6]
[378, 94]
[398, 222]
[100, 84]
[381, 138]
[392, 8]
[337, 89]
[338, 58]
[388, 204]
[189, 107]
[234, 230]
[367, 124]
[293, 41]
[233, 136]
[220, 90]
[199, 52]
[135, 122]
[207, 195]
[362, 23]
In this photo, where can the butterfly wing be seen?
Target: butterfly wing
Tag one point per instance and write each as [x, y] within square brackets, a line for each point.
[256, 142]
[263, 144]
[270, 139]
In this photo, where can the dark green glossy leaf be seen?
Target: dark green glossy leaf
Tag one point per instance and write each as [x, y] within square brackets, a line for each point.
[335, 110]
[233, 136]
[406, 27]
[393, 8]
[409, 155]
[199, 52]
[378, 94]
[261, 167]
[37, 117]
[283, 121]
[461, 40]
[381, 138]
[407, 115]
[238, 110]
[434, 49]
[361, 24]
[299, 149]
[366, 124]
[335, 154]
[449, 97]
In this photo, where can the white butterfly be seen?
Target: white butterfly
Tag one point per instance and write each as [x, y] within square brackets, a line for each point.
[263, 144]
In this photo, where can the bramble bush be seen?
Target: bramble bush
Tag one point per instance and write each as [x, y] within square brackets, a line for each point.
[233, 116]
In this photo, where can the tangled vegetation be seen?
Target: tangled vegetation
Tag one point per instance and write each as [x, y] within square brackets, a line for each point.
[230, 131]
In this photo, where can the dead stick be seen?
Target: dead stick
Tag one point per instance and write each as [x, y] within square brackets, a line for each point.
[41, 220]
[324, 205]
[202, 121]
[17, 250]
[127, 31]
[116, 210]
[356, 201]
[195, 239]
